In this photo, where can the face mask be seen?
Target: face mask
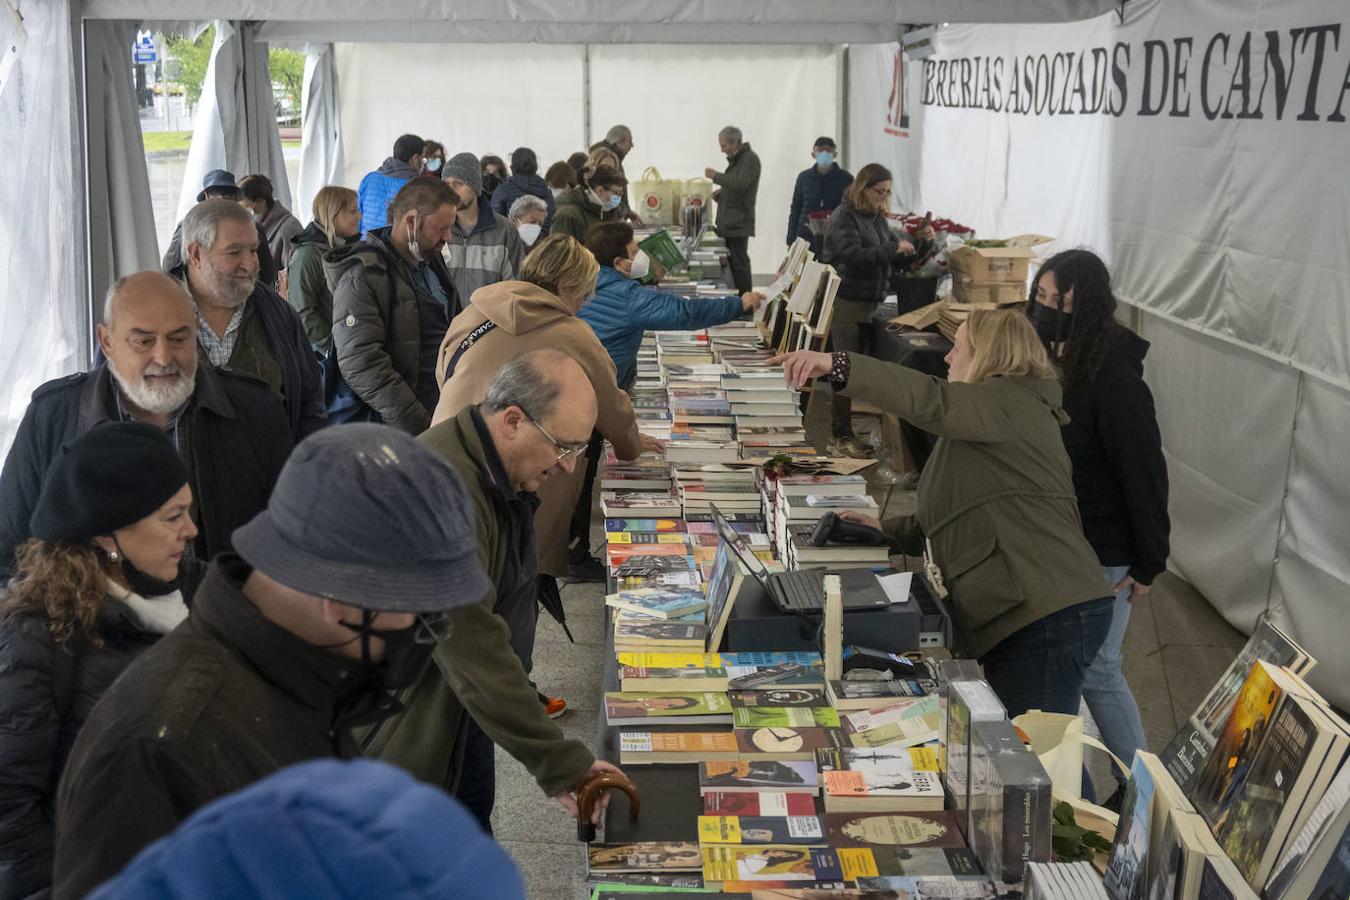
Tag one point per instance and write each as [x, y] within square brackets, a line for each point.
[404, 655]
[1052, 325]
[642, 264]
[490, 182]
[529, 233]
[614, 201]
[824, 158]
[413, 248]
[433, 165]
[142, 583]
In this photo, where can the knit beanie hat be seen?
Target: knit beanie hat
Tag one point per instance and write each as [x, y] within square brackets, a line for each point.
[466, 168]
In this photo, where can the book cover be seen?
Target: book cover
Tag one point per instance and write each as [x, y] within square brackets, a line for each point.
[774, 697]
[770, 862]
[1222, 881]
[679, 746]
[911, 830]
[785, 717]
[1125, 873]
[640, 680]
[1010, 802]
[806, 831]
[647, 537]
[1244, 729]
[665, 526]
[785, 743]
[1304, 857]
[693, 708]
[967, 702]
[904, 723]
[943, 887]
[659, 660]
[876, 780]
[868, 694]
[1188, 751]
[762, 803]
[878, 863]
[644, 856]
[765, 659]
[660, 604]
[791, 776]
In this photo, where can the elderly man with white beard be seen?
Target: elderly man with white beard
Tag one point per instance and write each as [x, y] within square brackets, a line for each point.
[244, 325]
[230, 429]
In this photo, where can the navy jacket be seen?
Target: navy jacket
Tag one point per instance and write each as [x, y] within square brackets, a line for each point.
[622, 310]
[1119, 472]
[301, 381]
[237, 441]
[815, 192]
[518, 185]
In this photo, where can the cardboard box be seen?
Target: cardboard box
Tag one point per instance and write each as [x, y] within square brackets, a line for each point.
[1008, 263]
[1001, 293]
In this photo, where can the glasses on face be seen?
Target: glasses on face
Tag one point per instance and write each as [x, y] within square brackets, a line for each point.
[564, 450]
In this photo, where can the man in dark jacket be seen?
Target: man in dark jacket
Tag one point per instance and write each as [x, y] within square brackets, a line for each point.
[533, 422]
[737, 189]
[486, 248]
[219, 185]
[336, 598]
[818, 189]
[230, 430]
[244, 325]
[393, 299]
[380, 186]
[524, 181]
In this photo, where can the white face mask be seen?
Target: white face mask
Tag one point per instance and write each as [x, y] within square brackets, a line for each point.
[642, 264]
[529, 233]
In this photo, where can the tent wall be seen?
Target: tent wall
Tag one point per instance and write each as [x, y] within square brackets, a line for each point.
[675, 98]
[1202, 153]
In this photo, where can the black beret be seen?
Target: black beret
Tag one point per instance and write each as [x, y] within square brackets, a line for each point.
[110, 477]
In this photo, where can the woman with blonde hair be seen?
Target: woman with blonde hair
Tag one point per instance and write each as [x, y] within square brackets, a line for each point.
[337, 220]
[95, 587]
[862, 247]
[996, 503]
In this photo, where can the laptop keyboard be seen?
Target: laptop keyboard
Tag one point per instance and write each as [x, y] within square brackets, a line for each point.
[803, 589]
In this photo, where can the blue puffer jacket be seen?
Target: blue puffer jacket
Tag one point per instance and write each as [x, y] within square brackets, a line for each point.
[622, 309]
[378, 188]
[815, 192]
[324, 829]
[517, 185]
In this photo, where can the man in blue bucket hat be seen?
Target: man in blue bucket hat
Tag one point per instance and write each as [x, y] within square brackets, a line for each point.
[335, 600]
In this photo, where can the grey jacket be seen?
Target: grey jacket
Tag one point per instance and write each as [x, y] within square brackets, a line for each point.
[491, 252]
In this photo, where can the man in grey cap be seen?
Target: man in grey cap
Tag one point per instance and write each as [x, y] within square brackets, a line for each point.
[336, 599]
[486, 247]
[219, 183]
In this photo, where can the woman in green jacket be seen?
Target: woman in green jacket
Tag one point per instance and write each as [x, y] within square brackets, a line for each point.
[337, 220]
[996, 502]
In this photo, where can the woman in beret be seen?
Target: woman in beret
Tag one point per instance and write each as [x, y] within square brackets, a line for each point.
[95, 586]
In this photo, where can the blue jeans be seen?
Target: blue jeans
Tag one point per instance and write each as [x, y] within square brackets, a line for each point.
[1041, 666]
[1107, 693]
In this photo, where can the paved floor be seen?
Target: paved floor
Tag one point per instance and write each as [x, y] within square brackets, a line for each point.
[1176, 648]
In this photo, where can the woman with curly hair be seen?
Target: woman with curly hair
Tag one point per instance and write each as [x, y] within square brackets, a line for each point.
[94, 588]
[1119, 474]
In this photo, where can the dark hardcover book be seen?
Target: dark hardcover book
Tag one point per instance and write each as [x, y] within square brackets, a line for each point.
[1011, 816]
[794, 776]
[913, 830]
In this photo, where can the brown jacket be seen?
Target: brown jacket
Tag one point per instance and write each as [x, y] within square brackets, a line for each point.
[530, 318]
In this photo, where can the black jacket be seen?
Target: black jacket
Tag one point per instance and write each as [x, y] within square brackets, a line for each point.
[224, 700]
[815, 192]
[861, 247]
[302, 384]
[237, 440]
[1118, 468]
[46, 693]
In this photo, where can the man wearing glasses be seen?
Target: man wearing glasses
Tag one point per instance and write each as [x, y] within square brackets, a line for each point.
[337, 597]
[533, 423]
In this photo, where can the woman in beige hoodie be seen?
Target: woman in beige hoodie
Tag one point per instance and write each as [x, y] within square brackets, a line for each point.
[504, 320]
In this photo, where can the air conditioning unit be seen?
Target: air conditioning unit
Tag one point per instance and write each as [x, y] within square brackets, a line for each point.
[918, 42]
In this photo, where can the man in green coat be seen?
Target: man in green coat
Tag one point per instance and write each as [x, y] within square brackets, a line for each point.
[737, 188]
[534, 422]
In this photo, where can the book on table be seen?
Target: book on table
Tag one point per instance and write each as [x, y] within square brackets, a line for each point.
[677, 679]
[785, 717]
[845, 695]
[785, 743]
[1010, 802]
[656, 635]
[651, 709]
[1126, 872]
[904, 723]
[766, 862]
[1317, 857]
[717, 802]
[877, 780]
[935, 829]
[967, 702]
[1221, 880]
[645, 747]
[806, 831]
[644, 856]
[660, 604]
[1188, 751]
[792, 777]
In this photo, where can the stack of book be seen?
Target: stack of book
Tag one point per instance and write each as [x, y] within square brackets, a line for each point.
[800, 500]
[730, 489]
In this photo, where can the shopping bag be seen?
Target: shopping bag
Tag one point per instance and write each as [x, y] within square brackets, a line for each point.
[1058, 740]
[657, 198]
[696, 192]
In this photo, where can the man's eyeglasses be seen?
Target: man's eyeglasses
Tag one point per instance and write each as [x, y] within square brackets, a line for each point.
[564, 450]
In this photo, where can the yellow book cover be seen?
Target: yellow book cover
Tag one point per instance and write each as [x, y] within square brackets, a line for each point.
[857, 862]
[765, 862]
[626, 537]
[693, 742]
[719, 830]
[670, 660]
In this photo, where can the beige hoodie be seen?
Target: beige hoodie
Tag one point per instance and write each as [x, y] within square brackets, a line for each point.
[531, 318]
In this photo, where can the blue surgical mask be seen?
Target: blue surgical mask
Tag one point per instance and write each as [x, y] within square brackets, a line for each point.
[614, 201]
[433, 165]
[824, 158]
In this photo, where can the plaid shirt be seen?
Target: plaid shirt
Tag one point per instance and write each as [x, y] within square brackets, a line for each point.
[219, 349]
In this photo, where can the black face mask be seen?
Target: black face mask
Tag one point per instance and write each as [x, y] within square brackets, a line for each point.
[490, 183]
[1052, 324]
[141, 583]
[404, 655]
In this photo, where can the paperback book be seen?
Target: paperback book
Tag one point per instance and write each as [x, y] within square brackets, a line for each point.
[645, 747]
[806, 831]
[1010, 802]
[650, 709]
[911, 830]
[717, 802]
[876, 780]
[793, 777]
[646, 856]
[903, 723]
[785, 743]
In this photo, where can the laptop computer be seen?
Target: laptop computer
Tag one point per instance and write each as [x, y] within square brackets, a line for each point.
[802, 590]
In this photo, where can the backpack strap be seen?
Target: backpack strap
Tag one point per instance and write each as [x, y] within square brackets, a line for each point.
[464, 345]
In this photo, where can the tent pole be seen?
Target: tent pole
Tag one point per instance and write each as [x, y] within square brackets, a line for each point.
[80, 133]
[841, 92]
[586, 94]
